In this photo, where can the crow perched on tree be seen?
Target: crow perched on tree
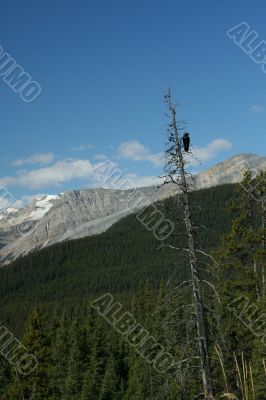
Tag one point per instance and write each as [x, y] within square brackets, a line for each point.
[186, 142]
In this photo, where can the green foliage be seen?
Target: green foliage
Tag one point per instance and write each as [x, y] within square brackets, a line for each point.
[81, 357]
[117, 261]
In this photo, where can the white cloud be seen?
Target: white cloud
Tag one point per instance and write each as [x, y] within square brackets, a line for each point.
[212, 149]
[108, 175]
[256, 109]
[140, 181]
[136, 151]
[54, 175]
[5, 203]
[82, 147]
[69, 169]
[203, 154]
[7, 181]
[100, 157]
[26, 200]
[42, 159]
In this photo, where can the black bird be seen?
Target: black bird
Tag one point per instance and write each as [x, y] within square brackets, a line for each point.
[186, 141]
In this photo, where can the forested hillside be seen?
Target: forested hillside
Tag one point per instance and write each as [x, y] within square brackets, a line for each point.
[119, 261]
[82, 357]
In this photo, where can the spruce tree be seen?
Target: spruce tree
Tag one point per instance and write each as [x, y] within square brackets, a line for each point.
[94, 374]
[77, 362]
[37, 340]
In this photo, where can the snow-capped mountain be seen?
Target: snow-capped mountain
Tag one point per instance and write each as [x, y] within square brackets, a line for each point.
[36, 210]
[78, 213]
[15, 221]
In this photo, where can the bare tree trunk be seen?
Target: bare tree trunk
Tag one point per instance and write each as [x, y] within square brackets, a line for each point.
[263, 247]
[201, 330]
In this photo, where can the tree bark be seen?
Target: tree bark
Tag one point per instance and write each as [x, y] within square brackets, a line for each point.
[263, 247]
[200, 322]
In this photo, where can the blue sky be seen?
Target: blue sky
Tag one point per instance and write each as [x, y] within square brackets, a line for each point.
[103, 67]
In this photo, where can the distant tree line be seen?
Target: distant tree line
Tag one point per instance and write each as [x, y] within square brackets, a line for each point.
[46, 300]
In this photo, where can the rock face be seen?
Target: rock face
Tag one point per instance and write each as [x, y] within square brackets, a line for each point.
[79, 213]
[71, 215]
[231, 170]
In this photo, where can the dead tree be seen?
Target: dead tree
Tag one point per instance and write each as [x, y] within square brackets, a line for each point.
[176, 173]
[263, 226]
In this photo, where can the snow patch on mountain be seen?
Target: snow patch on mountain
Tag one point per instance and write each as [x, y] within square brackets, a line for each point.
[42, 206]
[11, 210]
[35, 211]
[51, 219]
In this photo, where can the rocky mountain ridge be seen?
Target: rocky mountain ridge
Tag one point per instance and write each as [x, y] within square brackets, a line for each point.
[78, 213]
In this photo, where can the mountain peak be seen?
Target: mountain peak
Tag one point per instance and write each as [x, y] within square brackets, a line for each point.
[78, 213]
